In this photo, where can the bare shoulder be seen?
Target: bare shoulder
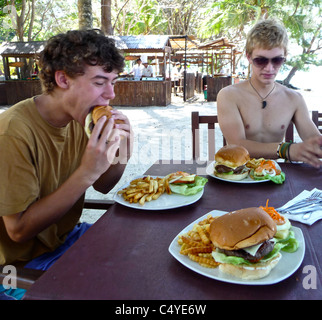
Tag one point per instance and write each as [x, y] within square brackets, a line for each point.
[232, 90]
[290, 93]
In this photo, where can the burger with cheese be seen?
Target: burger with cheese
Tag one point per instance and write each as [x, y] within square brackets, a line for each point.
[96, 113]
[244, 244]
[230, 162]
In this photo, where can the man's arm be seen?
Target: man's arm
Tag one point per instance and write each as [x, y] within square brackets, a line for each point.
[108, 179]
[24, 226]
[309, 150]
[302, 119]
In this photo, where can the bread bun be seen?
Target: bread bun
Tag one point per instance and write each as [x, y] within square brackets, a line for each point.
[242, 228]
[93, 116]
[250, 272]
[232, 156]
[100, 111]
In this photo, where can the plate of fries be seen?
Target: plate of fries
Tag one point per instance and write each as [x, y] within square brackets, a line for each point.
[152, 193]
[192, 247]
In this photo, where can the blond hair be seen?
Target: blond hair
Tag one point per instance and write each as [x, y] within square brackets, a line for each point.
[267, 34]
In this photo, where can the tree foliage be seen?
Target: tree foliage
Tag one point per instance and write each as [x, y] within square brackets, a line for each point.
[205, 19]
[302, 19]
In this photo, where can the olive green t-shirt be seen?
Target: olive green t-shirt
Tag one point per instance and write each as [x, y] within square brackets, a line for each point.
[35, 159]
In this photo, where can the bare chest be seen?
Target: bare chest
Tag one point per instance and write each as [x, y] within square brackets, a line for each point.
[267, 124]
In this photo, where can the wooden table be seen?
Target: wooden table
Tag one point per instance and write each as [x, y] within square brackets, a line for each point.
[124, 255]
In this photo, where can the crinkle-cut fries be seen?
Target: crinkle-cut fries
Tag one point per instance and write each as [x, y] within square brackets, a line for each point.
[196, 244]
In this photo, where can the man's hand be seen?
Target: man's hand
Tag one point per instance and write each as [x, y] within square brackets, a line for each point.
[308, 151]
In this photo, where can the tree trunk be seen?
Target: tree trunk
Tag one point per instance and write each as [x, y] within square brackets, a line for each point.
[291, 74]
[85, 17]
[106, 17]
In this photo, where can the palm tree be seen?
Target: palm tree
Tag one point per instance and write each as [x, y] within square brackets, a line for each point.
[85, 18]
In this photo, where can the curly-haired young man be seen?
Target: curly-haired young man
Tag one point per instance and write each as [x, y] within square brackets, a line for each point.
[256, 113]
[47, 161]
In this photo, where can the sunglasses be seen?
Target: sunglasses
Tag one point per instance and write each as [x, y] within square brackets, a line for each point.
[262, 62]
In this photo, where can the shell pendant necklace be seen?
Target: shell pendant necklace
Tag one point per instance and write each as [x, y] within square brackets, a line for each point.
[264, 102]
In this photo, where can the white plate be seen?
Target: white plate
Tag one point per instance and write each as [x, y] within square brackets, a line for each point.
[248, 179]
[165, 201]
[288, 264]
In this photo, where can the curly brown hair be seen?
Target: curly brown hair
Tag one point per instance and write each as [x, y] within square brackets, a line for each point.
[72, 51]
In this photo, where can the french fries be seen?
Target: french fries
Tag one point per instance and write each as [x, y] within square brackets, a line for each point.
[254, 163]
[196, 244]
[145, 189]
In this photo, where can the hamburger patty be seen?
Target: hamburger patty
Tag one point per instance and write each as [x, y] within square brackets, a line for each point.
[265, 249]
[220, 168]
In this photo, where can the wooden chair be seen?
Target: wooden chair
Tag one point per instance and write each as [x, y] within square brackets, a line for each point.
[289, 135]
[317, 119]
[97, 204]
[211, 122]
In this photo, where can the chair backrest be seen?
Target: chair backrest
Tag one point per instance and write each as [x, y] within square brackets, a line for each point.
[317, 119]
[211, 121]
[196, 120]
[289, 134]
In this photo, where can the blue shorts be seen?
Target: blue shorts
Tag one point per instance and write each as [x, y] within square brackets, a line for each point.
[45, 261]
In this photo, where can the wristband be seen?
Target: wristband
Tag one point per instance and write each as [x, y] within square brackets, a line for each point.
[288, 152]
[278, 150]
[283, 150]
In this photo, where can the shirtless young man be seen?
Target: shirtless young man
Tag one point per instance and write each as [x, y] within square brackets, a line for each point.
[256, 113]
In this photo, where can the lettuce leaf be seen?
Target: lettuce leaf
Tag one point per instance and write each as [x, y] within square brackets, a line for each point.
[191, 188]
[222, 258]
[278, 179]
[290, 243]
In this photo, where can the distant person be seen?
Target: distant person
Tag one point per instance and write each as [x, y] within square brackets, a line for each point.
[137, 69]
[256, 113]
[147, 70]
[176, 76]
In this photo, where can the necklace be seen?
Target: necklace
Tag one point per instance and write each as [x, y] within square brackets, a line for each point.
[264, 102]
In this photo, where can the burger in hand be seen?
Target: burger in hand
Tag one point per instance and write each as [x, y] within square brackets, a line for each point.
[244, 243]
[230, 162]
[96, 113]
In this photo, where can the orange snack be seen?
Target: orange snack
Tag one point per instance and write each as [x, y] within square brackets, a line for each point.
[273, 213]
[267, 165]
